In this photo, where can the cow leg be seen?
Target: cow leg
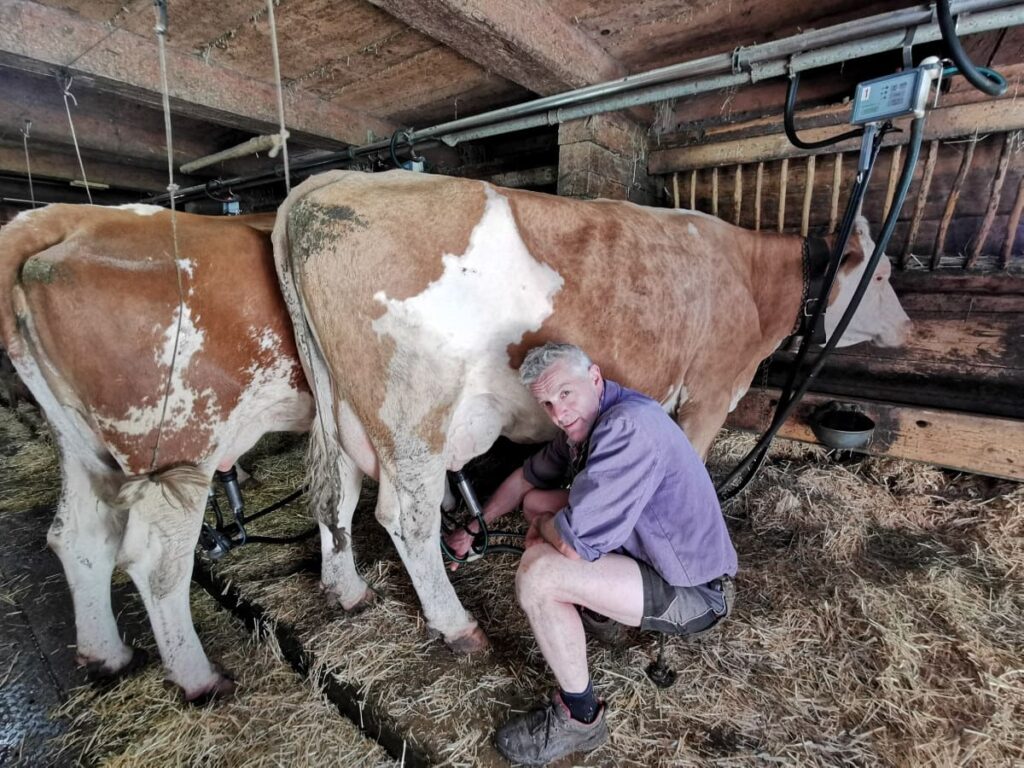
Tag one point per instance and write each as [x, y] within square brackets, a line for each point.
[165, 512]
[701, 418]
[86, 534]
[338, 575]
[408, 506]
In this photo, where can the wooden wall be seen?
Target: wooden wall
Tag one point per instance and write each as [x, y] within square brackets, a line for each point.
[966, 193]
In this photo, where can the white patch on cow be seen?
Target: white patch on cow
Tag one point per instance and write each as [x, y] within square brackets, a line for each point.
[737, 395]
[26, 215]
[141, 209]
[269, 403]
[182, 400]
[486, 299]
[692, 229]
[268, 341]
[674, 398]
[187, 266]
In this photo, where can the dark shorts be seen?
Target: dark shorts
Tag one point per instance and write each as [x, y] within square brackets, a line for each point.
[683, 610]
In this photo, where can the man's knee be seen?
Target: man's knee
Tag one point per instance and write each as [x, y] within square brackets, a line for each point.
[536, 574]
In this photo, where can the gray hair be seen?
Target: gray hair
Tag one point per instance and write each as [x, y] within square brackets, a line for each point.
[539, 359]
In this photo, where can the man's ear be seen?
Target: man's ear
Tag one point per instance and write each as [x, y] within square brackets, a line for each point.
[595, 374]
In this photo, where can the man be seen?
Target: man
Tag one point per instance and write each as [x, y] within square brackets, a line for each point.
[638, 538]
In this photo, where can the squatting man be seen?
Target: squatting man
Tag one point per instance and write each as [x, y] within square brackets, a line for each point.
[624, 529]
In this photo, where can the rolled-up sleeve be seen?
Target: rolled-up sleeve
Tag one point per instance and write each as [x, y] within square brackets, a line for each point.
[608, 496]
[546, 468]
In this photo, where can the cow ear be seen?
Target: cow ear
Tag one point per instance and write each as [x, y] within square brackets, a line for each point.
[853, 253]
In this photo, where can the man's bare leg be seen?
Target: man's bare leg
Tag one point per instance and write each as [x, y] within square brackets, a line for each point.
[549, 586]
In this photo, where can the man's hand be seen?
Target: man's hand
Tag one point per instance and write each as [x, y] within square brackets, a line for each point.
[533, 534]
[543, 529]
[459, 541]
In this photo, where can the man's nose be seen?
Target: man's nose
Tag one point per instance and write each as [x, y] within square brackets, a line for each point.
[558, 410]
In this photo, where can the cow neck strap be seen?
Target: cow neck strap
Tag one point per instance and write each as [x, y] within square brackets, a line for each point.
[816, 255]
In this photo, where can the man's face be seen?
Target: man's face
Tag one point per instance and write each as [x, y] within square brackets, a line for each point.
[571, 398]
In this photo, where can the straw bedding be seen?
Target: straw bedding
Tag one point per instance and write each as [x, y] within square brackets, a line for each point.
[878, 622]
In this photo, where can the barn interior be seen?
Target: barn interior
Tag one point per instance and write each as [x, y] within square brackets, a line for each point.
[903, 623]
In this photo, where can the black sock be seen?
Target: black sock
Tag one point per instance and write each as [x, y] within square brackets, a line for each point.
[582, 706]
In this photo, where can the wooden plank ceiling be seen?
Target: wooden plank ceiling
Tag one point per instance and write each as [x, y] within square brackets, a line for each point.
[353, 69]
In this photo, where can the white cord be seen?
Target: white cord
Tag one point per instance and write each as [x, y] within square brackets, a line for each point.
[74, 138]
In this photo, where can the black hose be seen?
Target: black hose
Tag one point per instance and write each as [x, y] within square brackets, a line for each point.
[280, 539]
[906, 176]
[989, 82]
[752, 462]
[787, 121]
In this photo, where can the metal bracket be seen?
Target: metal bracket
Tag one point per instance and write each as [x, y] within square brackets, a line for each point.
[739, 63]
[908, 42]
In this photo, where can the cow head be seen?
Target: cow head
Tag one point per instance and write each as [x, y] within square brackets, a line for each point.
[879, 318]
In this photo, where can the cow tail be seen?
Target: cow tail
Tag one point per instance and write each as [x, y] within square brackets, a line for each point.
[30, 233]
[324, 452]
[164, 510]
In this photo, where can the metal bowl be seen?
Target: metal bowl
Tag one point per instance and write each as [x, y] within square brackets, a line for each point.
[842, 427]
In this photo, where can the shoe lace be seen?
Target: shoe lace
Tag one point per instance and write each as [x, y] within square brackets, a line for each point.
[544, 723]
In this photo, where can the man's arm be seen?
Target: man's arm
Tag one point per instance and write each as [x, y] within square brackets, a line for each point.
[508, 496]
[608, 496]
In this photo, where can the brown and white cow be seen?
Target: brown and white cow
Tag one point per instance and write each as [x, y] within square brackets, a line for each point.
[92, 317]
[422, 294]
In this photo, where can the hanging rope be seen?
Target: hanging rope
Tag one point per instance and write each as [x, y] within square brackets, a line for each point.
[280, 95]
[74, 138]
[28, 163]
[160, 7]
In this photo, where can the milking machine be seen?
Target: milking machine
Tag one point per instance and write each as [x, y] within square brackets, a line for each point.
[482, 539]
[876, 103]
[221, 537]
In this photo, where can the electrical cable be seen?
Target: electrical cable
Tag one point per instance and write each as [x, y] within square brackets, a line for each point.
[984, 79]
[906, 176]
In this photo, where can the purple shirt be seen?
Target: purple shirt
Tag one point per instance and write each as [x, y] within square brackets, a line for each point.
[643, 491]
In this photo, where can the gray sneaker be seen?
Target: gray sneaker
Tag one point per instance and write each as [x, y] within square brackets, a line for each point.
[607, 632]
[548, 733]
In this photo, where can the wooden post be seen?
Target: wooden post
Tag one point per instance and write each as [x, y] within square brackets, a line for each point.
[837, 182]
[675, 190]
[714, 191]
[1009, 141]
[954, 196]
[805, 217]
[922, 200]
[783, 176]
[737, 196]
[1011, 230]
[757, 196]
[894, 175]
[693, 190]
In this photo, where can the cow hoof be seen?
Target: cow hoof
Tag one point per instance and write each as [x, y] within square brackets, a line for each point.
[102, 673]
[360, 604]
[474, 641]
[222, 687]
[368, 600]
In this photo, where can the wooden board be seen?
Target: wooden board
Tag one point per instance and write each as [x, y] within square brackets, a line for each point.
[982, 444]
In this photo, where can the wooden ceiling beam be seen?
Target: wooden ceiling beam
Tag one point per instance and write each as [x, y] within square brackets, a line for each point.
[49, 164]
[105, 127]
[38, 38]
[526, 43]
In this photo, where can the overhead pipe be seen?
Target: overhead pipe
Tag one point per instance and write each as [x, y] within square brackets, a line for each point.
[807, 50]
[761, 70]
